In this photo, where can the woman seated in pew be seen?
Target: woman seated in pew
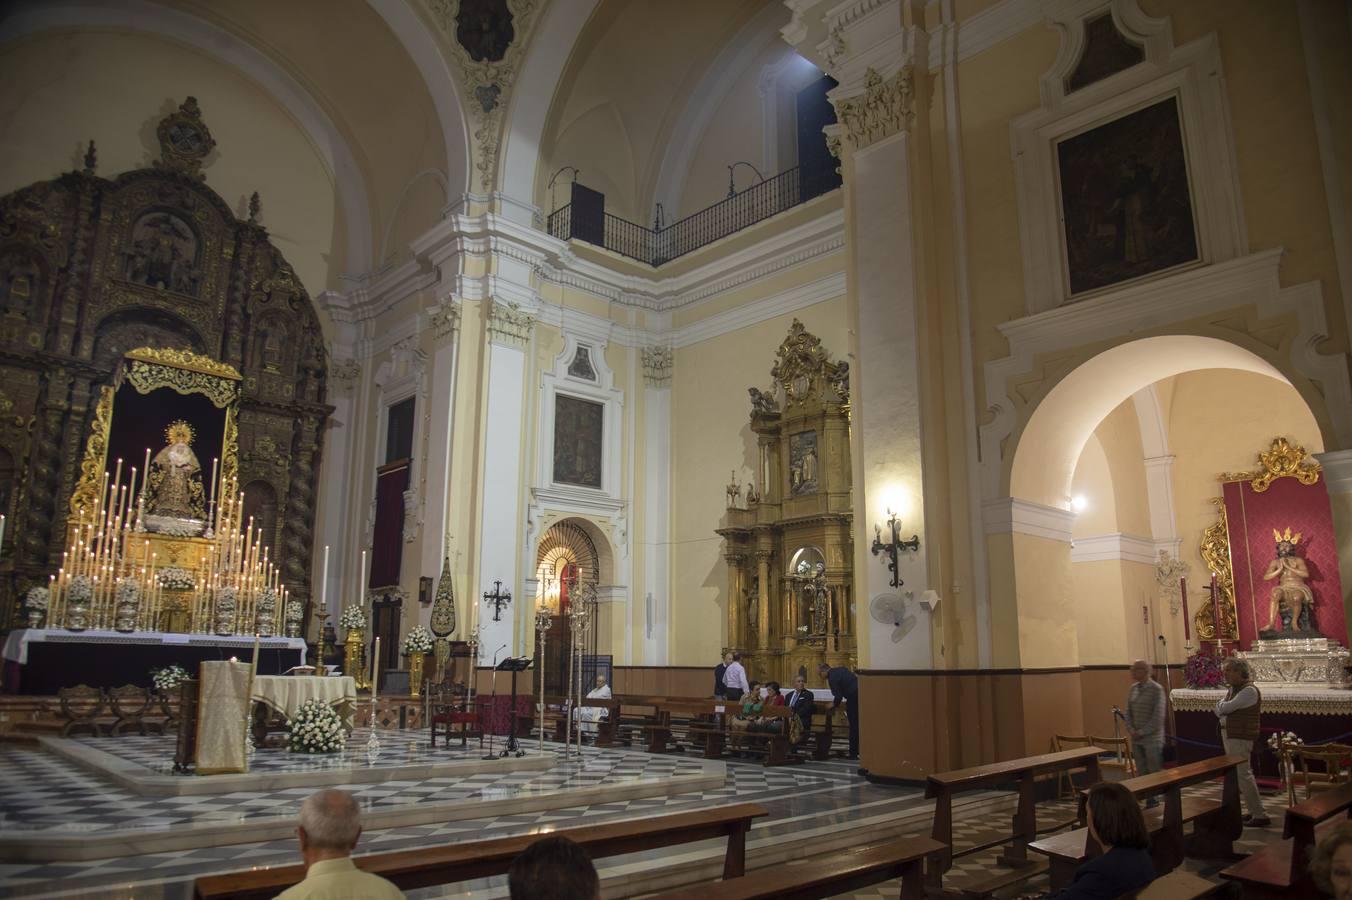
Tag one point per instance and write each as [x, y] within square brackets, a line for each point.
[773, 697]
[1331, 865]
[752, 704]
[1116, 822]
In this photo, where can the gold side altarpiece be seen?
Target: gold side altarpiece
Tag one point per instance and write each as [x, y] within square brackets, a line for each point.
[787, 539]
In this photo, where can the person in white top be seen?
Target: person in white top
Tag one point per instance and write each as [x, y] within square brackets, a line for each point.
[734, 679]
[330, 825]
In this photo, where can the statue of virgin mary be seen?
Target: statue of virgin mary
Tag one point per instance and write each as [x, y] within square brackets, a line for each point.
[174, 499]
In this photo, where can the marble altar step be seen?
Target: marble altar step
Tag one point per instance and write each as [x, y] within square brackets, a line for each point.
[405, 757]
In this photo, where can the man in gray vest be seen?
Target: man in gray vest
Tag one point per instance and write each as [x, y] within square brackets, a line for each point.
[1238, 714]
[1145, 721]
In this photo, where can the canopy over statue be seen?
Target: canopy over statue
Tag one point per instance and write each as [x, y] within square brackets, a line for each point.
[174, 500]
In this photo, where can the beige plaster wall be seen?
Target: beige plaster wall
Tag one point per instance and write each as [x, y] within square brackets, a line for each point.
[60, 89]
[710, 436]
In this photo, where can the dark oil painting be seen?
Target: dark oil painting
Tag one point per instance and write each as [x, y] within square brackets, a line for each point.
[1125, 198]
[577, 441]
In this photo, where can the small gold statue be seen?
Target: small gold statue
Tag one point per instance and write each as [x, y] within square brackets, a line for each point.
[174, 500]
[1291, 591]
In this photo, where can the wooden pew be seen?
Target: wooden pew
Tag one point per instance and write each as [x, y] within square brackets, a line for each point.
[1216, 824]
[839, 873]
[775, 745]
[431, 866]
[1282, 869]
[828, 735]
[942, 787]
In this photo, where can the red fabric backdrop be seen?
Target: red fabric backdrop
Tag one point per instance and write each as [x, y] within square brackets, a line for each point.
[1252, 516]
[388, 547]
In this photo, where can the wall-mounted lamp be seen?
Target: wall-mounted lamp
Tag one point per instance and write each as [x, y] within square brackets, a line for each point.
[894, 546]
[732, 185]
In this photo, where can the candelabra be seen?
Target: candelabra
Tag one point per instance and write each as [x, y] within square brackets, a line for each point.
[543, 619]
[320, 668]
[472, 640]
[579, 618]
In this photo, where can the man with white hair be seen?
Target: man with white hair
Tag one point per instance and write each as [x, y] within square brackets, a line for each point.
[1239, 716]
[330, 824]
[1145, 721]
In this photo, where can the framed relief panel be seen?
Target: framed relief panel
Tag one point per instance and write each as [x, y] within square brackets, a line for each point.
[1126, 199]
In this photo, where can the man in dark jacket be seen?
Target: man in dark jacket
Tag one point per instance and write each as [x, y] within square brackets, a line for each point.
[718, 675]
[801, 701]
[844, 686]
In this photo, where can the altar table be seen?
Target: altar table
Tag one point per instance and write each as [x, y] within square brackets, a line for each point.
[285, 694]
[43, 660]
[1315, 714]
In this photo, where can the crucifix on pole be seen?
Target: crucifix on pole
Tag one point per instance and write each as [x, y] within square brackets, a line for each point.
[498, 598]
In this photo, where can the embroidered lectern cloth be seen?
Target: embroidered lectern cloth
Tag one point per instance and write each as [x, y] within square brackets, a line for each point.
[222, 716]
[286, 694]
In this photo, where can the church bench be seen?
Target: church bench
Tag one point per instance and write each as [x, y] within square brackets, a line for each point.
[1215, 823]
[1283, 868]
[1178, 885]
[432, 866]
[942, 787]
[840, 873]
[680, 719]
[828, 737]
[775, 745]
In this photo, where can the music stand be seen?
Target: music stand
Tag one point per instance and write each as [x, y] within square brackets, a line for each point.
[513, 665]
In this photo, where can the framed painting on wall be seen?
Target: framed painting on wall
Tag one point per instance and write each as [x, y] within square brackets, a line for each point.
[578, 434]
[1126, 199]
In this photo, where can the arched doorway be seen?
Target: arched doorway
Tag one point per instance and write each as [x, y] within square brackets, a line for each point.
[1121, 459]
[567, 570]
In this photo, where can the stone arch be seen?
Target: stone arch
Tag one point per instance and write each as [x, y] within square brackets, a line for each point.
[1061, 420]
[133, 327]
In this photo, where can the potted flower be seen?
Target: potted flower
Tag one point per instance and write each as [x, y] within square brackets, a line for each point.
[35, 601]
[166, 682]
[416, 647]
[316, 728]
[1203, 670]
[353, 620]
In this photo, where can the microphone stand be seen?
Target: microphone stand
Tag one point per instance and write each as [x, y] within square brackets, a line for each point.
[1117, 714]
[494, 705]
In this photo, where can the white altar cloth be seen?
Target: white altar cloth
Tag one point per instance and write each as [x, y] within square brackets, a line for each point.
[286, 694]
[16, 644]
[1314, 701]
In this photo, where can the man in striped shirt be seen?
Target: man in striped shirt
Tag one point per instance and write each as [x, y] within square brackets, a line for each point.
[1145, 721]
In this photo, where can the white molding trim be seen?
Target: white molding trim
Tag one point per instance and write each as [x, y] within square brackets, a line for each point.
[226, 47]
[1010, 515]
[1141, 310]
[795, 298]
[1115, 546]
[730, 65]
[1194, 75]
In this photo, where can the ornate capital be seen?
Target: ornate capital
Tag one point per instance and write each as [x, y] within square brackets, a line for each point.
[444, 317]
[657, 363]
[885, 107]
[764, 556]
[508, 323]
[345, 372]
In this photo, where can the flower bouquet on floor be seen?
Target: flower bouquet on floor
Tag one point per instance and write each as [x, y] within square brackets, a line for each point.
[316, 728]
[168, 678]
[1203, 670]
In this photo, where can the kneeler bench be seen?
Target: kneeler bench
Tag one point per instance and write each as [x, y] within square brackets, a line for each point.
[839, 873]
[1215, 823]
[1283, 868]
[431, 866]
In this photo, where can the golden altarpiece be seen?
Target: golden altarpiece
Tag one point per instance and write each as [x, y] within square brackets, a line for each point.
[147, 276]
[787, 539]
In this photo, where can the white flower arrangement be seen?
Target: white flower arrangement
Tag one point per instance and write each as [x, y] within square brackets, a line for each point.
[419, 641]
[227, 598]
[294, 611]
[128, 591]
[353, 617]
[316, 728]
[168, 678]
[37, 597]
[1284, 738]
[80, 590]
[176, 579]
[267, 600]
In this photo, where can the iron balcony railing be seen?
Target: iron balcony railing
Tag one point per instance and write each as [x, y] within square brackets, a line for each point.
[742, 210]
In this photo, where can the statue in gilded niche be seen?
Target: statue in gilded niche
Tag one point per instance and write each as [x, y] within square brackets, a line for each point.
[1291, 594]
[174, 498]
[163, 254]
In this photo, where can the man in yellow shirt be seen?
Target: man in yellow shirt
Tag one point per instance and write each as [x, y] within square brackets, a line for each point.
[330, 824]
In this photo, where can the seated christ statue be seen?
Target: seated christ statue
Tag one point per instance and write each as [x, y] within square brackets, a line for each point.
[174, 499]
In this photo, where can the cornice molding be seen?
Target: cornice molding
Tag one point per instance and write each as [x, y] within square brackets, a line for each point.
[1114, 546]
[1011, 515]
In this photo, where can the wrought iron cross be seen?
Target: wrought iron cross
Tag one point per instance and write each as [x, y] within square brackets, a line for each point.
[498, 599]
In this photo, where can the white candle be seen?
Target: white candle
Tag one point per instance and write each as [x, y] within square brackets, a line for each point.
[324, 581]
[212, 498]
[361, 583]
[2, 533]
[375, 680]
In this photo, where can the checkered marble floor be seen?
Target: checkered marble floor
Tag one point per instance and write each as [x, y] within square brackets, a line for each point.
[45, 789]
